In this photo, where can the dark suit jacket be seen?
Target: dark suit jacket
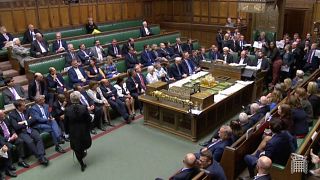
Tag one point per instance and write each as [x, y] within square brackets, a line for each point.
[77, 124]
[10, 128]
[125, 48]
[137, 79]
[315, 102]
[32, 89]
[35, 47]
[9, 97]
[229, 44]
[219, 39]
[300, 119]
[185, 66]
[255, 118]
[3, 39]
[87, 97]
[176, 49]
[279, 148]
[56, 46]
[111, 93]
[188, 47]
[174, 71]
[246, 60]
[214, 55]
[27, 38]
[143, 32]
[314, 60]
[15, 117]
[69, 58]
[186, 174]
[243, 43]
[73, 75]
[215, 171]
[111, 50]
[53, 85]
[83, 58]
[264, 64]
[131, 61]
[218, 148]
[131, 86]
[56, 110]
[229, 58]
[147, 58]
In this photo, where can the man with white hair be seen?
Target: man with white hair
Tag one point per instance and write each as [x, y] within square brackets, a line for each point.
[178, 47]
[39, 47]
[162, 52]
[176, 70]
[145, 30]
[30, 34]
[59, 45]
[227, 57]
[5, 37]
[256, 115]
[152, 75]
[71, 55]
[45, 122]
[244, 121]
[19, 52]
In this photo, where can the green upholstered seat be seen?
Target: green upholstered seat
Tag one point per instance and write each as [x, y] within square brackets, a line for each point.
[43, 67]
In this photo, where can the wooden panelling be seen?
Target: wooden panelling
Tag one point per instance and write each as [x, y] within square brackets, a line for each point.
[74, 15]
[54, 17]
[44, 18]
[7, 19]
[64, 16]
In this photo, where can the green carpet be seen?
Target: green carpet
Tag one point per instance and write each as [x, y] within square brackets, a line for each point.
[133, 151]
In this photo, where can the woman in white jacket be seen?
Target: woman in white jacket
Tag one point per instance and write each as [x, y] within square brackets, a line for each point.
[94, 92]
[124, 95]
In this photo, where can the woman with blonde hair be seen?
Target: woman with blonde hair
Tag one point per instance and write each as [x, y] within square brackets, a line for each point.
[314, 99]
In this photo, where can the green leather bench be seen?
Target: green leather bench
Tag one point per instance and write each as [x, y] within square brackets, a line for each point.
[43, 67]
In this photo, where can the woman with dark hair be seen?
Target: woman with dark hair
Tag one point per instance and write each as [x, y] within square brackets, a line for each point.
[77, 123]
[273, 54]
[94, 72]
[236, 130]
[124, 95]
[284, 111]
[287, 62]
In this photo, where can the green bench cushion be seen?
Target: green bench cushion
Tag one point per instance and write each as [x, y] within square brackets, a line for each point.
[43, 67]
[119, 25]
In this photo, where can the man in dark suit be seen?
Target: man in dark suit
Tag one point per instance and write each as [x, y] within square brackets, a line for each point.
[162, 52]
[140, 78]
[71, 55]
[84, 55]
[37, 86]
[110, 93]
[176, 70]
[55, 82]
[178, 47]
[39, 47]
[278, 148]
[134, 86]
[311, 61]
[219, 39]
[13, 91]
[243, 59]
[188, 46]
[189, 170]
[214, 53]
[114, 49]
[45, 122]
[212, 168]
[57, 112]
[30, 34]
[147, 59]
[227, 57]
[96, 111]
[5, 37]
[22, 123]
[126, 47]
[11, 139]
[131, 59]
[202, 56]
[228, 42]
[59, 45]
[145, 30]
[297, 56]
[241, 43]
[188, 66]
[77, 74]
[261, 62]
[216, 147]
[255, 114]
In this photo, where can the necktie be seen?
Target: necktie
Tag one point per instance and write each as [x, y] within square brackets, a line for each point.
[5, 130]
[178, 69]
[216, 142]
[142, 81]
[6, 36]
[115, 50]
[85, 54]
[23, 119]
[148, 56]
[310, 56]
[72, 55]
[15, 94]
[189, 67]
[84, 101]
[43, 113]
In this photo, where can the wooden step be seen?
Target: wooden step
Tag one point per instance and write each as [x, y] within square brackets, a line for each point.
[21, 80]
[6, 65]
[10, 73]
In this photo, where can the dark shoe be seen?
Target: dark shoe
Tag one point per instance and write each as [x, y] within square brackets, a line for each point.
[12, 168]
[11, 173]
[245, 178]
[204, 144]
[23, 164]
[102, 128]
[128, 121]
[44, 161]
[109, 124]
[93, 131]
[59, 149]
[83, 167]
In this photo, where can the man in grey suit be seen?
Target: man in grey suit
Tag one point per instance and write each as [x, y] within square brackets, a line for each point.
[98, 52]
[19, 52]
[13, 91]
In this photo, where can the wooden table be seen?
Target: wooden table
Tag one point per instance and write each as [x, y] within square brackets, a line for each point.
[179, 121]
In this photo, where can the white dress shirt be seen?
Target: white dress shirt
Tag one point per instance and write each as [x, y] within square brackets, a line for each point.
[151, 78]
[43, 50]
[147, 31]
[259, 63]
[100, 56]
[78, 72]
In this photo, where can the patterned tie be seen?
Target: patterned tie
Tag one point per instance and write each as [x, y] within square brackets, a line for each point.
[142, 81]
[5, 130]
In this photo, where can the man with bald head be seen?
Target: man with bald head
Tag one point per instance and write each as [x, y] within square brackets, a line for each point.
[39, 47]
[263, 167]
[59, 45]
[243, 59]
[30, 34]
[37, 86]
[189, 170]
